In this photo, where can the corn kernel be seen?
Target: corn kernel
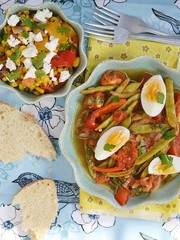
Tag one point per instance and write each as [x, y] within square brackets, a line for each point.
[76, 62]
[36, 93]
[22, 47]
[8, 53]
[17, 61]
[32, 87]
[26, 12]
[22, 15]
[56, 82]
[21, 86]
[14, 84]
[53, 19]
[4, 79]
[40, 90]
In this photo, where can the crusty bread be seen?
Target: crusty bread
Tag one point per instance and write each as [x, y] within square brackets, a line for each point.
[20, 133]
[38, 207]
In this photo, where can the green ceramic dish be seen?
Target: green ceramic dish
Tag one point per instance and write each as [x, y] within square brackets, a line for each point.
[66, 141]
[28, 97]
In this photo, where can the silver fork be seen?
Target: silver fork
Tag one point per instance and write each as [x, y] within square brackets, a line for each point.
[117, 34]
[132, 24]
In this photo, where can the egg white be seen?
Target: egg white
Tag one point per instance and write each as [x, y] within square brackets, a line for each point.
[156, 161]
[153, 108]
[100, 153]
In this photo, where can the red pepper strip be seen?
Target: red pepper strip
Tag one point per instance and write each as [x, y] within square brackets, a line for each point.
[91, 122]
[106, 170]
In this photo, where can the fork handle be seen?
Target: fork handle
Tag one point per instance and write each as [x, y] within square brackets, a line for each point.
[174, 40]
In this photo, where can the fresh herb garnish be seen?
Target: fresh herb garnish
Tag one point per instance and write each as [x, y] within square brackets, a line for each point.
[38, 61]
[64, 46]
[115, 99]
[25, 34]
[160, 97]
[63, 30]
[16, 54]
[40, 73]
[90, 100]
[12, 76]
[168, 134]
[141, 147]
[5, 37]
[27, 22]
[109, 147]
[166, 160]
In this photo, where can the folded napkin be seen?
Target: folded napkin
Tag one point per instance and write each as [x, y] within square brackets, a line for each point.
[99, 51]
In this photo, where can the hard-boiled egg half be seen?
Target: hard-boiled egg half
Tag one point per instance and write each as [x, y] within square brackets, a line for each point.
[112, 140]
[153, 95]
[164, 165]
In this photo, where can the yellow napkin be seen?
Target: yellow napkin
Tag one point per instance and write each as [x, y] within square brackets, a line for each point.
[97, 52]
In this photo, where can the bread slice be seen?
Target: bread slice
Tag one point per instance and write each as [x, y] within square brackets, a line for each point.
[20, 133]
[38, 207]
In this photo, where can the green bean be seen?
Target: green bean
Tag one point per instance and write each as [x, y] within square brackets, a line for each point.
[170, 106]
[143, 166]
[111, 162]
[144, 173]
[119, 89]
[121, 173]
[105, 123]
[155, 149]
[131, 107]
[148, 128]
[132, 87]
[98, 89]
[124, 95]
[126, 122]
[130, 100]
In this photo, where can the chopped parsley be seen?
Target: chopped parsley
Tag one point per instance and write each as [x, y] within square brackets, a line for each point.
[16, 54]
[168, 134]
[12, 76]
[5, 37]
[40, 73]
[63, 30]
[109, 147]
[141, 147]
[160, 97]
[166, 160]
[25, 34]
[115, 99]
[64, 46]
[38, 61]
[27, 22]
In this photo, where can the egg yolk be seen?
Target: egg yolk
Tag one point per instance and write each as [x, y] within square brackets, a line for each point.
[152, 90]
[117, 138]
[158, 168]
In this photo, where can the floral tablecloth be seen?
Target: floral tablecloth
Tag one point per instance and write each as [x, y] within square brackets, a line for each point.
[70, 223]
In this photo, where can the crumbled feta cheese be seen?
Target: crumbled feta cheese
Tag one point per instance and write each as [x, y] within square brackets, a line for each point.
[30, 51]
[10, 64]
[52, 45]
[64, 76]
[12, 41]
[46, 67]
[38, 37]
[27, 63]
[48, 57]
[1, 66]
[42, 15]
[30, 73]
[13, 20]
[53, 78]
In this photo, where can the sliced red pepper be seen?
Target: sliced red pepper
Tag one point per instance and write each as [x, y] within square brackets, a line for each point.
[91, 121]
[122, 196]
[64, 58]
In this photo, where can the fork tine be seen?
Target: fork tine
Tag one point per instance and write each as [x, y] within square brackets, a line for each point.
[98, 38]
[99, 34]
[101, 26]
[108, 13]
[111, 11]
[98, 30]
[100, 21]
[109, 19]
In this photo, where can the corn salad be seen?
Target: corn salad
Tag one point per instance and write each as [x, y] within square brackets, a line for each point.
[38, 51]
